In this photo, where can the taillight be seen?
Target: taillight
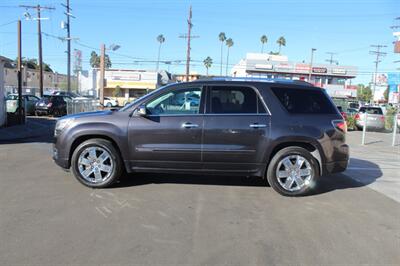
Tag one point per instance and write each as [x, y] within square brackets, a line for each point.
[357, 117]
[49, 105]
[382, 118]
[340, 125]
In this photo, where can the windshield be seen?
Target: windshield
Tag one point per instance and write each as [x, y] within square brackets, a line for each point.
[12, 97]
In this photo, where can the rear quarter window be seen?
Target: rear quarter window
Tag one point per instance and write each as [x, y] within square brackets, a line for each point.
[304, 101]
[371, 110]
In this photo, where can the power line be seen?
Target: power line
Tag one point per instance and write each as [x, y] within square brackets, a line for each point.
[379, 54]
[331, 61]
[28, 16]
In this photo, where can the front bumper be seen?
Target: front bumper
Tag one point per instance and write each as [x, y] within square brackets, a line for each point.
[58, 159]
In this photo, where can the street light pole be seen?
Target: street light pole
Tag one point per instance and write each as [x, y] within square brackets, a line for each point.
[311, 63]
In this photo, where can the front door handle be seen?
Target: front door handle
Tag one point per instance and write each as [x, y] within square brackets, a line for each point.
[255, 125]
[189, 125]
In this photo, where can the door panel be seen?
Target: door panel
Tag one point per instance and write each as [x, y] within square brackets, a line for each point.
[231, 143]
[169, 136]
[236, 129]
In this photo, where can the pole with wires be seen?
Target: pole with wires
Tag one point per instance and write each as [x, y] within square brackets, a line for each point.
[378, 54]
[39, 27]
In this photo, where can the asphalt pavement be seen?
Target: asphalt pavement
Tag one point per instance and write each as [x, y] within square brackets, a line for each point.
[48, 218]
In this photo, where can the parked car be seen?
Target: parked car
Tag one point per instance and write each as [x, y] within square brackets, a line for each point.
[375, 118]
[66, 93]
[287, 132]
[109, 102]
[352, 111]
[344, 114]
[52, 105]
[29, 102]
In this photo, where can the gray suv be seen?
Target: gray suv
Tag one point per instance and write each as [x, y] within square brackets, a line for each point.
[287, 132]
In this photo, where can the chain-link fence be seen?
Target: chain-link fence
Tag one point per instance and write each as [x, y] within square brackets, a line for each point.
[80, 106]
[376, 127]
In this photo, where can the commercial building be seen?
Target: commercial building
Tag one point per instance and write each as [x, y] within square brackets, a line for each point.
[123, 84]
[336, 79]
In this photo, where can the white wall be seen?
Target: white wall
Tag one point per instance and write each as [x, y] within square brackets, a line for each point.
[2, 102]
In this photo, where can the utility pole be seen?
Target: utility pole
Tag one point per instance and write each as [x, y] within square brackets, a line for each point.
[102, 72]
[189, 36]
[379, 54]
[39, 27]
[21, 115]
[311, 63]
[331, 61]
[68, 14]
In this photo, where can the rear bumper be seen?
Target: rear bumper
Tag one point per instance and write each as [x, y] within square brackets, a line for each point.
[340, 160]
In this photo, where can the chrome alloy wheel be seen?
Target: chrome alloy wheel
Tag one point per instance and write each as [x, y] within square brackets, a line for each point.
[294, 172]
[95, 164]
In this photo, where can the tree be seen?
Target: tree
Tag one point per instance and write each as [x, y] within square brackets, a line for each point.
[364, 93]
[386, 94]
[95, 60]
[281, 42]
[229, 43]
[264, 40]
[222, 39]
[33, 64]
[117, 91]
[161, 40]
[207, 63]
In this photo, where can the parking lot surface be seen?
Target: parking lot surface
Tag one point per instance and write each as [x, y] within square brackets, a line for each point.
[48, 218]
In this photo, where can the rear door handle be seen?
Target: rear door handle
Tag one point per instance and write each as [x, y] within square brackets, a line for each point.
[189, 125]
[257, 125]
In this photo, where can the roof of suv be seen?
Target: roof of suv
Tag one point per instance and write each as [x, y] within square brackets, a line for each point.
[250, 79]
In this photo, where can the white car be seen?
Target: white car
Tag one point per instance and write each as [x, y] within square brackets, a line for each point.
[108, 102]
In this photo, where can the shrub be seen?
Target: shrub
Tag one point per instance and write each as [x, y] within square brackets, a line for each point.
[351, 122]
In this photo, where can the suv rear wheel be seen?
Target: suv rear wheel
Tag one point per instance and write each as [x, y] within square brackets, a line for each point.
[96, 163]
[293, 171]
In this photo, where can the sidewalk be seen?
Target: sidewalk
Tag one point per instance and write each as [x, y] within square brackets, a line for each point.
[376, 164]
[41, 128]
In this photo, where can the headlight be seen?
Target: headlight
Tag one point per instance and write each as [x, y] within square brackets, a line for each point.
[62, 124]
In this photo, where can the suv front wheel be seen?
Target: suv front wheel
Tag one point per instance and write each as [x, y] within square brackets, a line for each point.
[293, 171]
[96, 163]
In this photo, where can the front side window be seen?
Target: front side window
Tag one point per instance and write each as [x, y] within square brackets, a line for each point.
[235, 100]
[176, 102]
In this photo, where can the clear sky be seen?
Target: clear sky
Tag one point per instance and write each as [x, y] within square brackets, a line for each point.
[347, 27]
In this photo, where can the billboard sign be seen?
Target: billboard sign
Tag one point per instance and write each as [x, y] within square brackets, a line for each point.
[339, 71]
[303, 68]
[319, 70]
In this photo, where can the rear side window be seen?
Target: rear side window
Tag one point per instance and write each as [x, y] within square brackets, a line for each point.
[371, 110]
[304, 101]
[234, 100]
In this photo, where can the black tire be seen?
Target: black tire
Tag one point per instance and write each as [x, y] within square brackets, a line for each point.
[108, 105]
[280, 155]
[115, 157]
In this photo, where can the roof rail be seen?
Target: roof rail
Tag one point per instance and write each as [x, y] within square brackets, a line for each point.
[269, 80]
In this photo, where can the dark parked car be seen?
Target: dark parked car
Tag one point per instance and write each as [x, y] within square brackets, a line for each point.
[287, 132]
[52, 105]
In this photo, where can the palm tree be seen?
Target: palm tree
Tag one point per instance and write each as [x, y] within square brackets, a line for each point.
[229, 43]
[160, 39]
[281, 42]
[207, 63]
[222, 39]
[264, 40]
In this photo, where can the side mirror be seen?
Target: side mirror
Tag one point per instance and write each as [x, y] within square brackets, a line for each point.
[141, 111]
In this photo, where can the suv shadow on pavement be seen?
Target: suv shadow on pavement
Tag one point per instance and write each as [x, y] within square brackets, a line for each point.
[36, 129]
[327, 183]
